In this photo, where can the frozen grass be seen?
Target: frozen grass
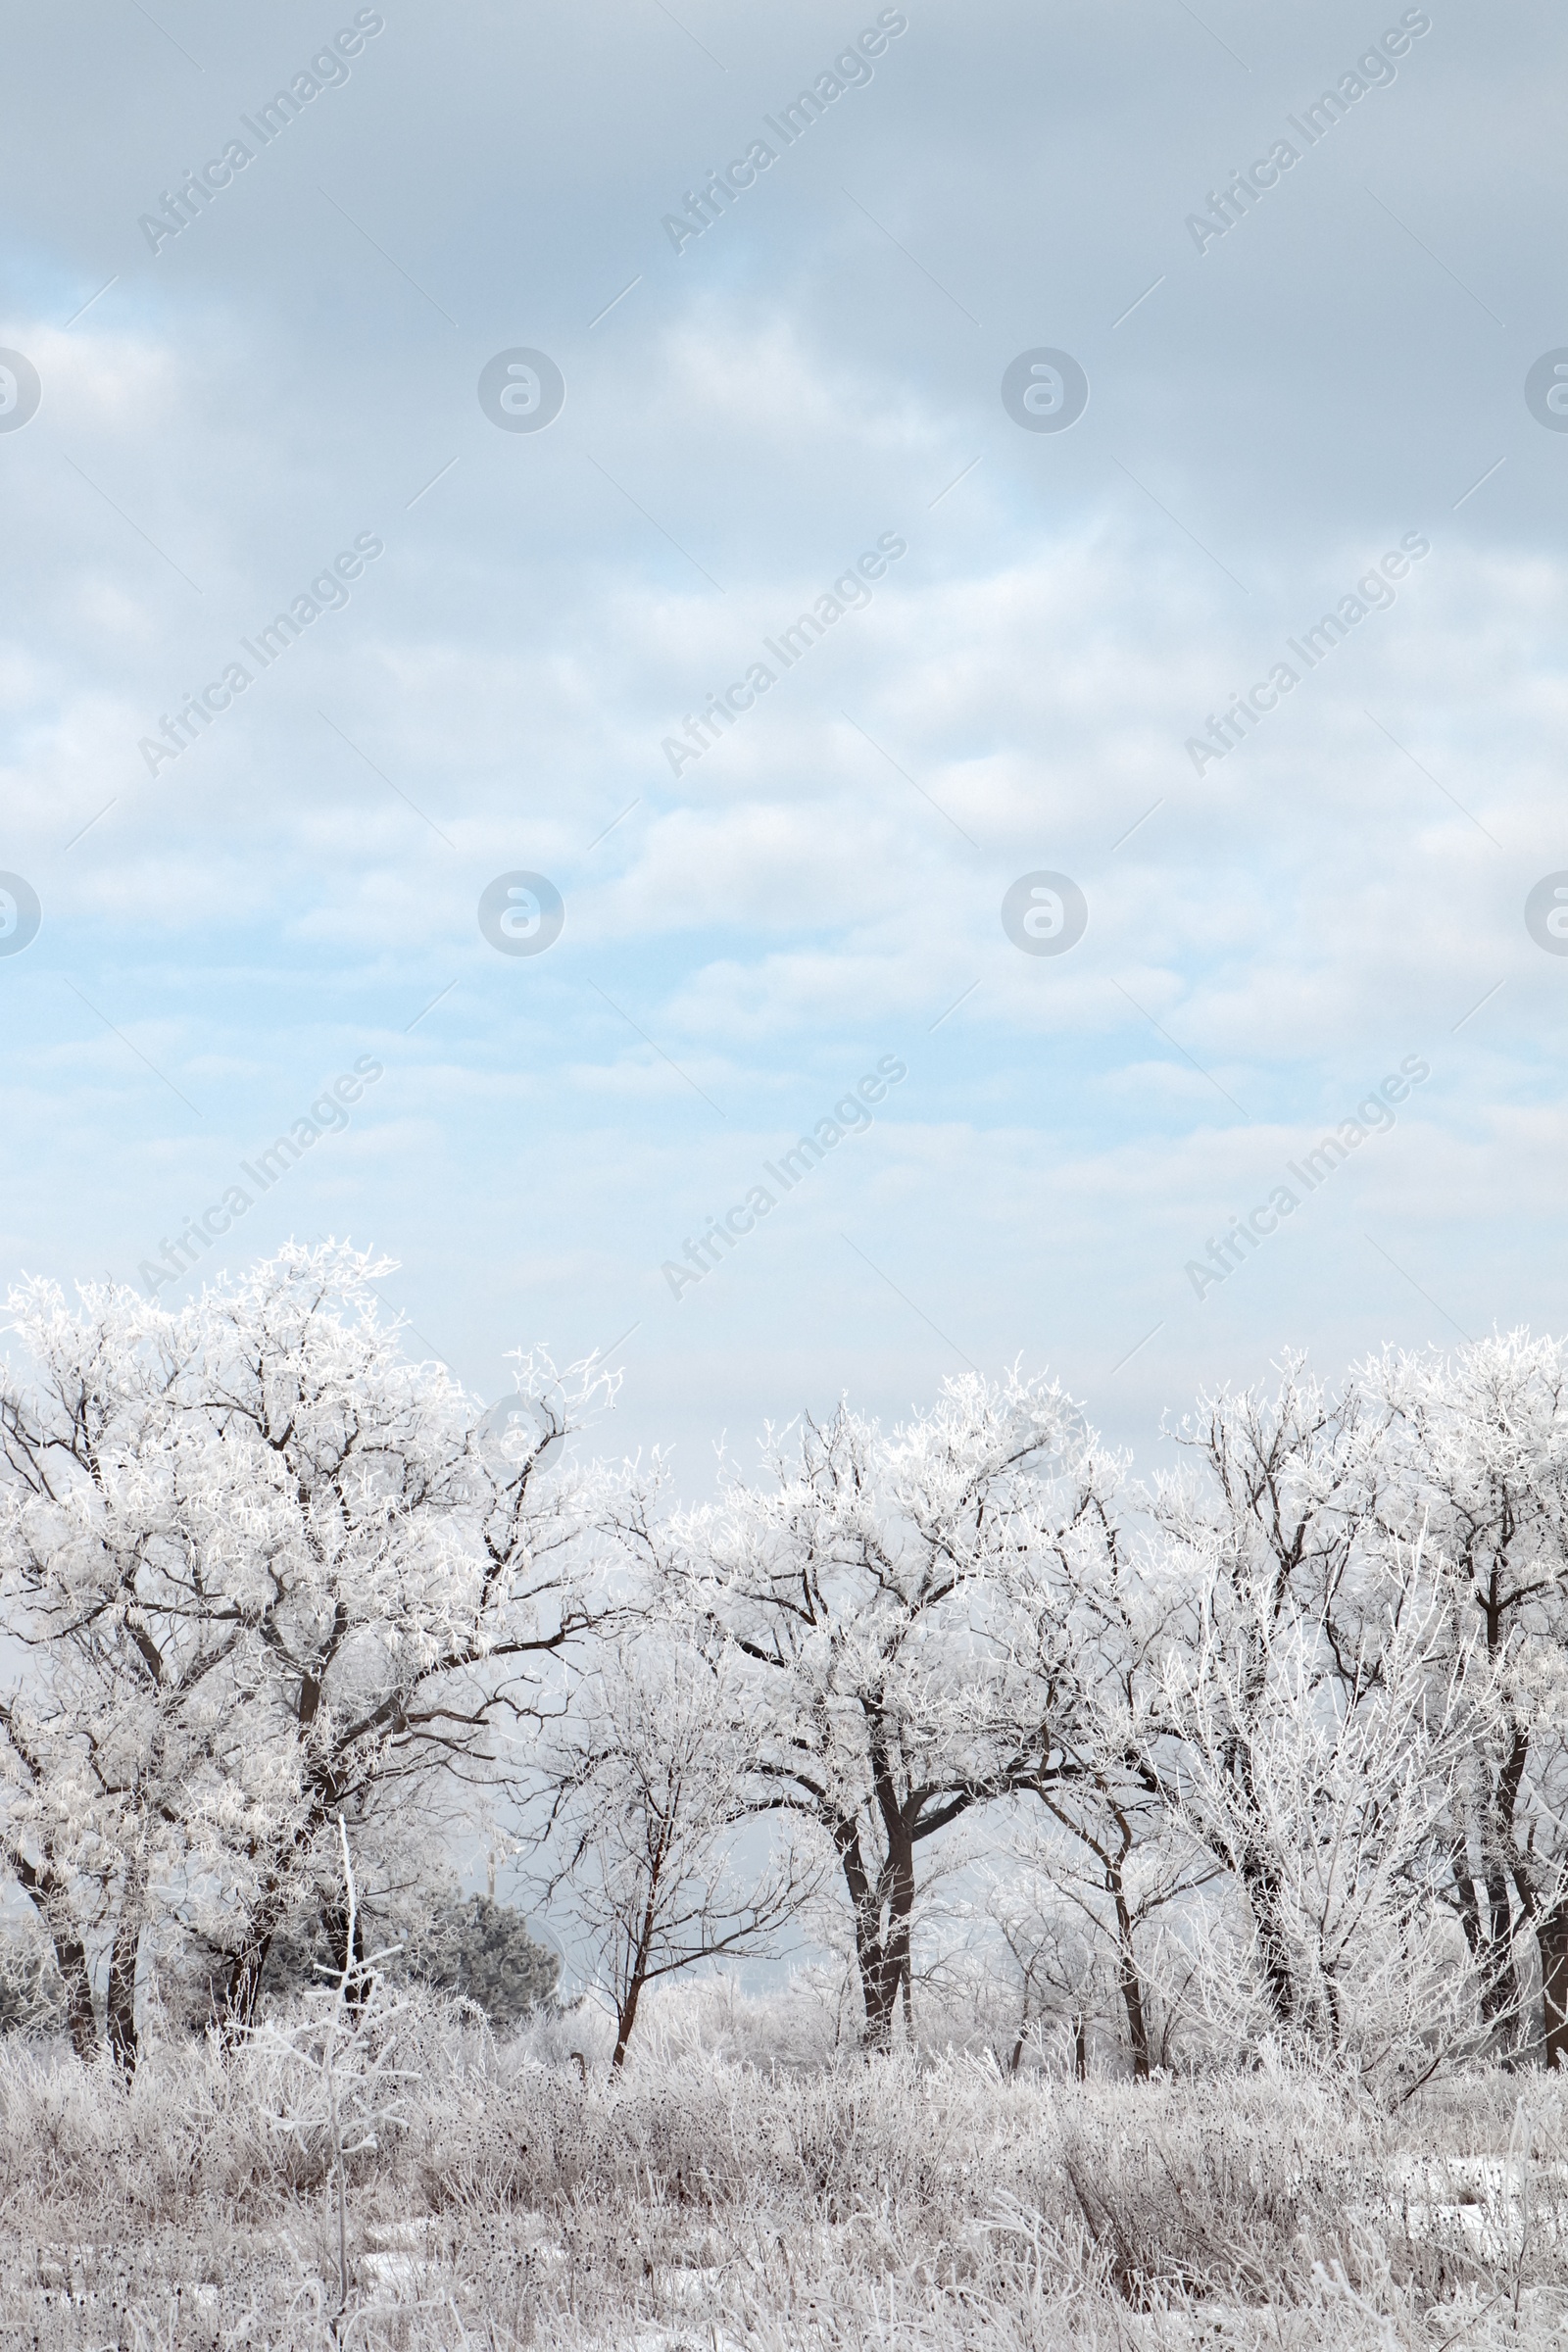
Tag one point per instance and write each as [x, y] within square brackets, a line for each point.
[716, 2196]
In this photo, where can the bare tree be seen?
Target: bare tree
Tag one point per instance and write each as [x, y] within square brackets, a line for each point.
[1477, 1449]
[1340, 1812]
[1117, 1861]
[648, 1834]
[104, 1735]
[1266, 1531]
[1086, 1668]
[272, 1572]
[890, 1598]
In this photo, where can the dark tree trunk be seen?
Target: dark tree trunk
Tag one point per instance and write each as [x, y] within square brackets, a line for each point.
[1499, 1981]
[898, 1961]
[1264, 1900]
[1080, 2046]
[625, 2018]
[38, 1884]
[870, 1952]
[1551, 1934]
[70, 1959]
[879, 1993]
[1464, 1888]
[1500, 1997]
[1131, 1984]
[1505, 1999]
[884, 1950]
[120, 2005]
[638, 1964]
[243, 1989]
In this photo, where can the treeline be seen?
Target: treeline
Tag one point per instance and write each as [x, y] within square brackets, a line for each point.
[1268, 1750]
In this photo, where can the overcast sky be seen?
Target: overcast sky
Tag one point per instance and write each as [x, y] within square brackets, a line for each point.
[1279, 406]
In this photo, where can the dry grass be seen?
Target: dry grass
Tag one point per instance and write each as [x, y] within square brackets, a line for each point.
[708, 2200]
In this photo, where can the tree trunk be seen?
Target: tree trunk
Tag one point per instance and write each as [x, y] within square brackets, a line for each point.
[121, 2006]
[1466, 1898]
[1499, 1979]
[1551, 1934]
[887, 1948]
[639, 1958]
[1499, 1842]
[244, 1988]
[625, 2018]
[877, 1994]
[1131, 1984]
[70, 1959]
[1263, 1898]
[1080, 2046]
[1500, 1996]
[39, 1884]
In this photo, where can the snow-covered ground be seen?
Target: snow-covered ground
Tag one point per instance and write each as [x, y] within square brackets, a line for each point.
[706, 2203]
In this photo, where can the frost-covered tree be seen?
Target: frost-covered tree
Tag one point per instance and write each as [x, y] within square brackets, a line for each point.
[1264, 1535]
[266, 1570]
[1089, 1632]
[33, 1996]
[645, 1821]
[110, 1495]
[1476, 1447]
[893, 1601]
[1324, 1794]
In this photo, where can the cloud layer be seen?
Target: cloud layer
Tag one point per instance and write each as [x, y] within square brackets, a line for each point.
[293, 375]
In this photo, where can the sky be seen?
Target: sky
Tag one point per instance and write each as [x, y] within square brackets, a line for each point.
[1328, 392]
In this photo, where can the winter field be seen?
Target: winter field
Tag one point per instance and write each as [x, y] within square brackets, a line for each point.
[1162, 1885]
[714, 2195]
[783, 1320]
